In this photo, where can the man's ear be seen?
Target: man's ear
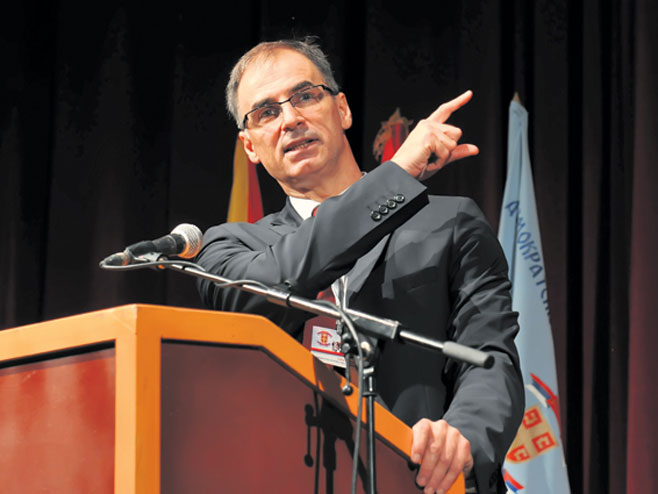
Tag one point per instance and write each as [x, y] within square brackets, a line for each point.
[248, 146]
[344, 111]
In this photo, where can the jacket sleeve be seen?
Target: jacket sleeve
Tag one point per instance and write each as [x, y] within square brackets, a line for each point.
[487, 404]
[312, 256]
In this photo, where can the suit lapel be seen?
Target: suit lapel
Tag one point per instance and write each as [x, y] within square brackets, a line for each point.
[284, 221]
[288, 220]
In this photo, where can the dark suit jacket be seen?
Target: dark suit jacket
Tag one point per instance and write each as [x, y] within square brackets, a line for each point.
[432, 263]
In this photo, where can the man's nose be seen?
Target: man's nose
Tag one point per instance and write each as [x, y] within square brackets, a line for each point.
[291, 117]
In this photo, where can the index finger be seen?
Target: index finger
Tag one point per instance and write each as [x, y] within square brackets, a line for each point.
[443, 112]
[421, 435]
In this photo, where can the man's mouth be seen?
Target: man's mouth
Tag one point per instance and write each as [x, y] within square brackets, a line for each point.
[298, 145]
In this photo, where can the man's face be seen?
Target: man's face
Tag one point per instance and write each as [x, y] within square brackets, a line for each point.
[302, 147]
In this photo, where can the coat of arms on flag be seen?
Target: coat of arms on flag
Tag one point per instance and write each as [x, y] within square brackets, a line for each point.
[390, 137]
[534, 437]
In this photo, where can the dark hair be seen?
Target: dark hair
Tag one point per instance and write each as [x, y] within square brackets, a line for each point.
[307, 47]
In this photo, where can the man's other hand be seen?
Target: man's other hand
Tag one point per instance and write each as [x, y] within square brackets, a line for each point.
[442, 453]
[433, 143]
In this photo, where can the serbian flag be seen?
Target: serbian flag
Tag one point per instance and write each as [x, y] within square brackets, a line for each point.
[535, 462]
[245, 203]
[390, 137]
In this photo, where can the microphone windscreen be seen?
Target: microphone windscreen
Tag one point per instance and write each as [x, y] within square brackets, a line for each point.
[193, 239]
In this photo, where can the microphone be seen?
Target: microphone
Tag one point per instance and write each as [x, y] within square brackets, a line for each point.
[184, 241]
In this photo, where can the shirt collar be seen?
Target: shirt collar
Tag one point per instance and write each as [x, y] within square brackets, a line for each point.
[305, 207]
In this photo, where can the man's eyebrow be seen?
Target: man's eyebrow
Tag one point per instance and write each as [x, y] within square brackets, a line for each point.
[300, 86]
[291, 91]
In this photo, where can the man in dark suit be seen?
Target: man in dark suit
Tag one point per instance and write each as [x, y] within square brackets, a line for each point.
[385, 247]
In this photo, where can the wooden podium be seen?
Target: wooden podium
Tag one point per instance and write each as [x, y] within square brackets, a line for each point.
[149, 399]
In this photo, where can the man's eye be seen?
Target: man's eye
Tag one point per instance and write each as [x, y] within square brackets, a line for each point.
[268, 112]
[305, 97]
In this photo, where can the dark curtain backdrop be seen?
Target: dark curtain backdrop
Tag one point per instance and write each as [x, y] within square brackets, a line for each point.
[113, 130]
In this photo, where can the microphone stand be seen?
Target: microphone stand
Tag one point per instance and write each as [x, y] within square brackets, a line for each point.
[370, 393]
[377, 327]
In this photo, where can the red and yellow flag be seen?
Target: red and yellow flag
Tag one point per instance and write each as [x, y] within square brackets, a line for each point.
[245, 203]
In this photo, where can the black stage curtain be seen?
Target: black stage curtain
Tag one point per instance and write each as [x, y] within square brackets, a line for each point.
[113, 130]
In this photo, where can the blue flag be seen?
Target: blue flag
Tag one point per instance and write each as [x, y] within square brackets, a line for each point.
[535, 462]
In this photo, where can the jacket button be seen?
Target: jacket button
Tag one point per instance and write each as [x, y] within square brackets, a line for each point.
[375, 215]
[493, 479]
[398, 198]
[383, 209]
[391, 204]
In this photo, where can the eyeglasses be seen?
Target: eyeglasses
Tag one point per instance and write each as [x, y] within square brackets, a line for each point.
[268, 113]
